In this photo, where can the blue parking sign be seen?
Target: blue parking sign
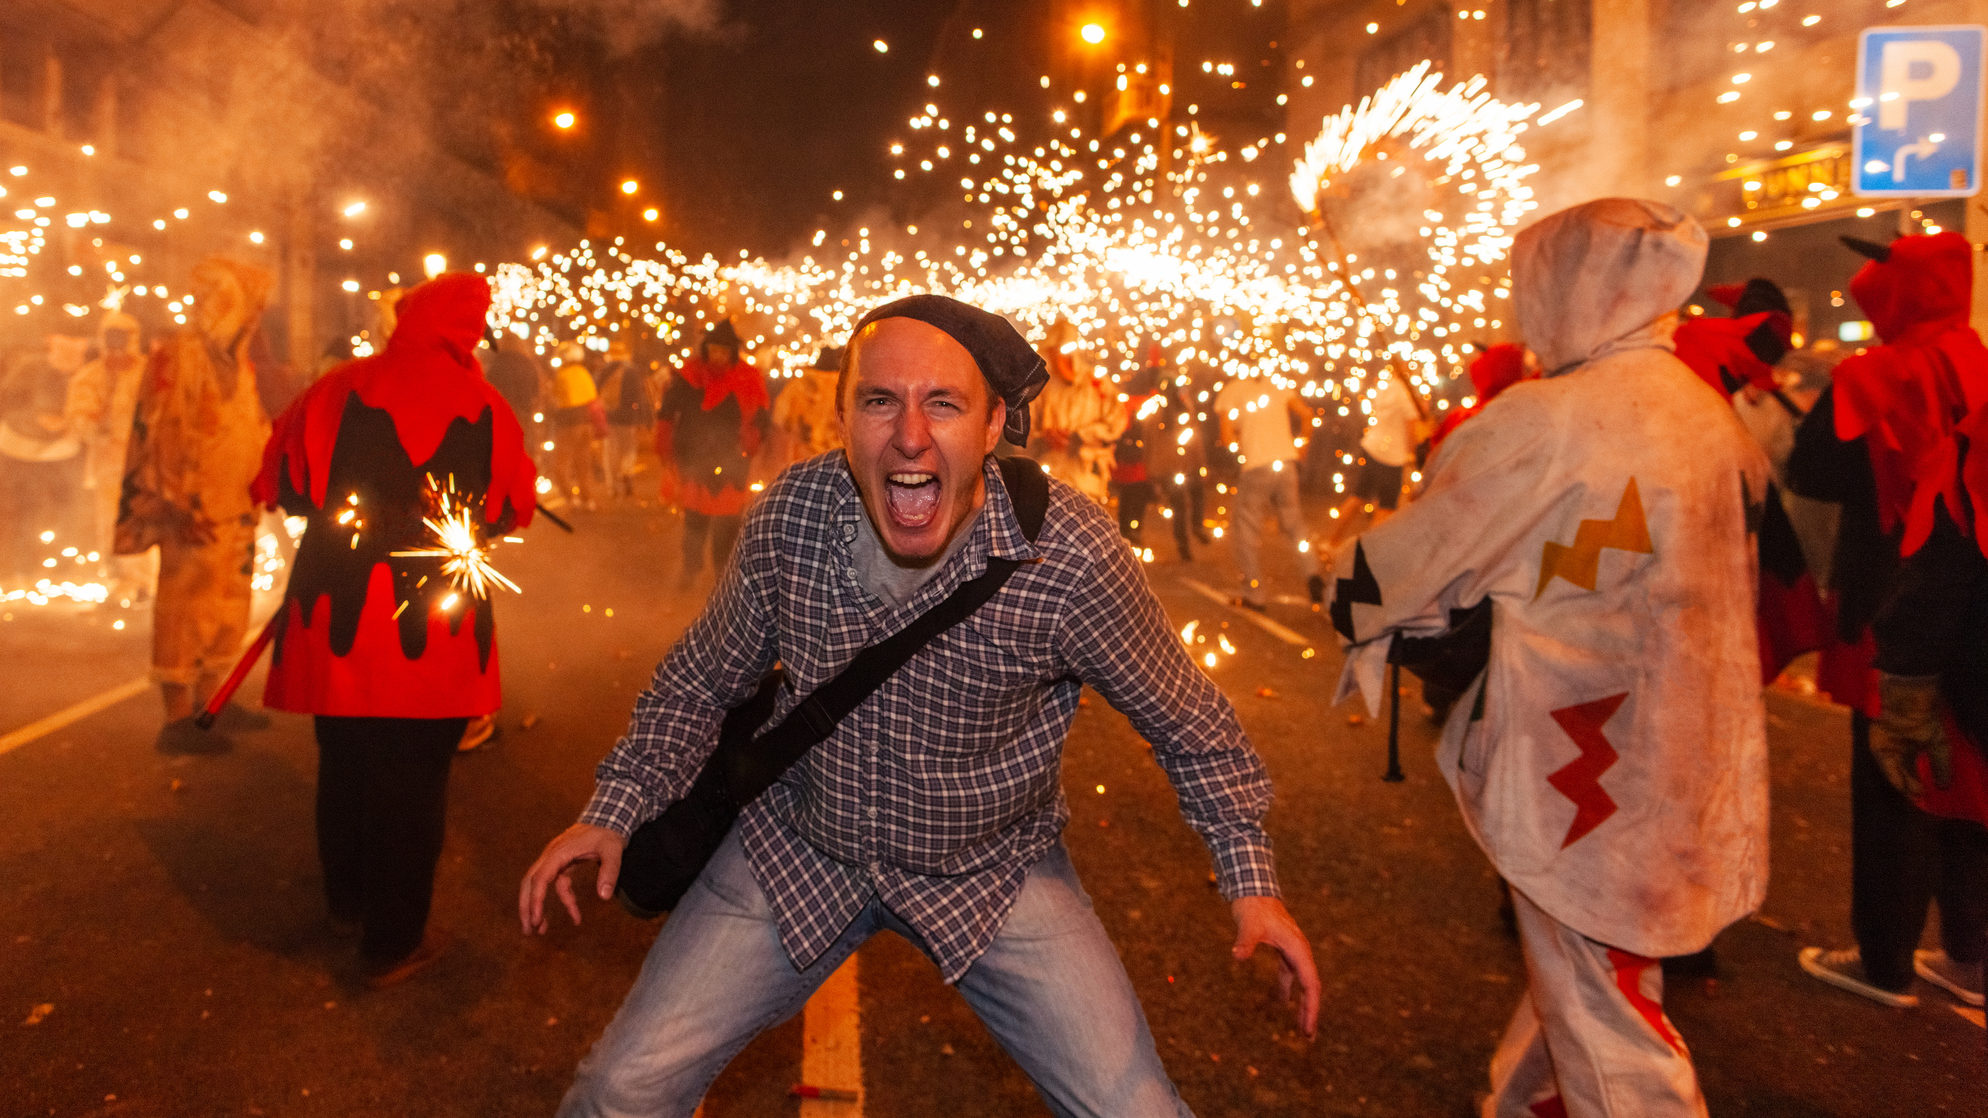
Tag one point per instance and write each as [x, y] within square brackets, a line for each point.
[1918, 124]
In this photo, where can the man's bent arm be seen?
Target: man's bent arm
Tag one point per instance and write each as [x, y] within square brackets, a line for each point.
[715, 665]
[1117, 639]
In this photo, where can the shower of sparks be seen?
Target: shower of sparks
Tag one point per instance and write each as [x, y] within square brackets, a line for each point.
[455, 531]
[1157, 237]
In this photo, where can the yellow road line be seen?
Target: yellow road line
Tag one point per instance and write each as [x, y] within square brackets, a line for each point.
[832, 1045]
[43, 727]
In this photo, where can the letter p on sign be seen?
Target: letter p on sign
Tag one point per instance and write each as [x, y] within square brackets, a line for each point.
[1925, 70]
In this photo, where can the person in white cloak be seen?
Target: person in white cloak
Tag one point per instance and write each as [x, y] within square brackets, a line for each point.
[1610, 757]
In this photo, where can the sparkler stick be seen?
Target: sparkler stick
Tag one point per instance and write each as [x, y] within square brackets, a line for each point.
[205, 719]
[555, 518]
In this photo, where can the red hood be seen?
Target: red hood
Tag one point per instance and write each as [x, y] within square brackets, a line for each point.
[1927, 280]
[446, 313]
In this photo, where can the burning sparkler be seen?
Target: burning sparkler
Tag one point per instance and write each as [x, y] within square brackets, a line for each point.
[455, 529]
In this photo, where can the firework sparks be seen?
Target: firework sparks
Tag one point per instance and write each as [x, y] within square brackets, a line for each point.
[456, 538]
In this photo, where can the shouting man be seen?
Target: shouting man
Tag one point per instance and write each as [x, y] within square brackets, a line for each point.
[934, 809]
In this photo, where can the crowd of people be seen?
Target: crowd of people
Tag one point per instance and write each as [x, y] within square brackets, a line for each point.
[1638, 520]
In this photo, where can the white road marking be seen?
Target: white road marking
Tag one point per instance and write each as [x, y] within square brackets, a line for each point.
[1283, 633]
[43, 727]
[832, 1045]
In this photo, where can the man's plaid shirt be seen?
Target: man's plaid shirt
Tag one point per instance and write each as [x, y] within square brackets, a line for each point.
[942, 790]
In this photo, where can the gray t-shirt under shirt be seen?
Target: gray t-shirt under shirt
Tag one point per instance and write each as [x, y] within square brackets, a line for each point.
[884, 579]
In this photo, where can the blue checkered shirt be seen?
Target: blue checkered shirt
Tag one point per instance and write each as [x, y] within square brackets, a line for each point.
[942, 790]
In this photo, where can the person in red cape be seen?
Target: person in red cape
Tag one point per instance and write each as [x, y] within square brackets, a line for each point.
[391, 653]
[1871, 435]
[1736, 357]
[1494, 369]
[1731, 354]
[1927, 739]
[713, 416]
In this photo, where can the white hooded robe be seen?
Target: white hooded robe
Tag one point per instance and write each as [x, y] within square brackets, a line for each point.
[1611, 759]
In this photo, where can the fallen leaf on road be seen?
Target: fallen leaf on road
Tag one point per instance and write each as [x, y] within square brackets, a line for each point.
[1265, 693]
[1356, 719]
[39, 1012]
[176, 785]
[528, 721]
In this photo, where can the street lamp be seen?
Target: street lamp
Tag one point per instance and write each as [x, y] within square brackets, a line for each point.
[564, 119]
[434, 264]
[630, 186]
[1092, 33]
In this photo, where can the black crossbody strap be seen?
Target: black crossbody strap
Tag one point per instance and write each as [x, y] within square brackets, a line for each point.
[753, 770]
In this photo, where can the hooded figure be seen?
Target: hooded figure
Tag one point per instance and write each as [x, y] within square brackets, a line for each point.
[103, 396]
[1493, 370]
[1731, 353]
[804, 416]
[196, 443]
[1076, 419]
[40, 460]
[392, 652]
[708, 428]
[1885, 429]
[1610, 757]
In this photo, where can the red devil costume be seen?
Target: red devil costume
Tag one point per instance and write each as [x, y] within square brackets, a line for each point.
[712, 418]
[1731, 353]
[1873, 436]
[386, 649]
[1736, 356]
[1493, 370]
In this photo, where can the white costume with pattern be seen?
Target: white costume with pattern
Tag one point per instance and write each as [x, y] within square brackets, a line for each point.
[1611, 759]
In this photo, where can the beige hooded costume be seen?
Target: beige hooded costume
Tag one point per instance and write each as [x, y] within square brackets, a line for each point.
[103, 397]
[196, 444]
[1077, 417]
[1611, 757]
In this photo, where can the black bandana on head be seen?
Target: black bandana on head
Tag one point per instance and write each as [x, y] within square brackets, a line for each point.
[1012, 367]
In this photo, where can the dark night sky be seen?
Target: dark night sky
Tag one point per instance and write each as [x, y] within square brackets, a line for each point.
[765, 121]
[739, 118]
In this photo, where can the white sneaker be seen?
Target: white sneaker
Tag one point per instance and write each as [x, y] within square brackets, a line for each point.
[1962, 980]
[1844, 969]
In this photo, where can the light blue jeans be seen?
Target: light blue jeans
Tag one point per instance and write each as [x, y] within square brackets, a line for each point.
[1050, 989]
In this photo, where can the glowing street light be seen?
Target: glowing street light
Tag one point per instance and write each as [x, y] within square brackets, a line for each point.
[1092, 33]
[434, 264]
[355, 209]
[630, 186]
[651, 214]
[564, 119]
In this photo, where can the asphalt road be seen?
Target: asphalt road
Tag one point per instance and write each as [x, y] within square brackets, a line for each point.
[163, 950]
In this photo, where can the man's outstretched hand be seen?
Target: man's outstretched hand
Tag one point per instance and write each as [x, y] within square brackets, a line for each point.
[582, 842]
[1265, 920]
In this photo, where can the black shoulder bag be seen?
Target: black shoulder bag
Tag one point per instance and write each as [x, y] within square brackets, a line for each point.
[665, 855]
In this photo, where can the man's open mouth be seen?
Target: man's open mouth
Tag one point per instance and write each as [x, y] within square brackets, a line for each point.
[913, 498]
